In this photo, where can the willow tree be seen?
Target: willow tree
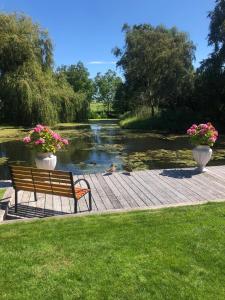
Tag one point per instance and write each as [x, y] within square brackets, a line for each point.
[29, 90]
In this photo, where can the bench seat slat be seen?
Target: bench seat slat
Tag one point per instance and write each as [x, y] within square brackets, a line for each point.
[42, 175]
[28, 169]
[43, 185]
[42, 178]
[46, 191]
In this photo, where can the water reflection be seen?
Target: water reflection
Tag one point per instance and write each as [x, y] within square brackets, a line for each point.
[92, 149]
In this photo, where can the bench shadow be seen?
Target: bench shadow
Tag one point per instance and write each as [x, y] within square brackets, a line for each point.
[26, 211]
[180, 173]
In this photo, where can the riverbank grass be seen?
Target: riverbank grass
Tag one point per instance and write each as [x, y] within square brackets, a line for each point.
[175, 253]
[2, 191]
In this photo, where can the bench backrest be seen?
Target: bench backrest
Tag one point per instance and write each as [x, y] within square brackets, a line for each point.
[42, 181]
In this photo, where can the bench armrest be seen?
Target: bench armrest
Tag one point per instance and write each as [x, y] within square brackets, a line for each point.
[82, 179]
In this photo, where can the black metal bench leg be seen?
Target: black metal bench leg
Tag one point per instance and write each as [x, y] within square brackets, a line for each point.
[75, 206]
[35, 196]
[90, 201]
[16, 200]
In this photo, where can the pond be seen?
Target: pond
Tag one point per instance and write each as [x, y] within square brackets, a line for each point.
[94, 147]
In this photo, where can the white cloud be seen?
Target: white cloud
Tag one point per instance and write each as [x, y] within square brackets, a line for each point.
[101, 62]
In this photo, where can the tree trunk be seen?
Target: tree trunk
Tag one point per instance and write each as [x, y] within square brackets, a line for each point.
[108, 108]
[153, 110]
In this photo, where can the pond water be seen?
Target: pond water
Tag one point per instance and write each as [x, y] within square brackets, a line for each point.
[96, 146]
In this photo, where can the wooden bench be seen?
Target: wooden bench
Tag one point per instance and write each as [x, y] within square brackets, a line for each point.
[48, 182]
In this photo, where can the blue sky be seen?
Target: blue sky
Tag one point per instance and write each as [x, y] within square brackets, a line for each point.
[87, 30]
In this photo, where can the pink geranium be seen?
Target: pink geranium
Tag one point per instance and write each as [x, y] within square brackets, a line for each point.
[26, 140]
[43, 139]
[40, 141]
[203, 134]
[56, 136]
[65, 141]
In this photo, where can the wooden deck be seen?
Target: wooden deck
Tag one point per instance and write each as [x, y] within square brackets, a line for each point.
[141, 189]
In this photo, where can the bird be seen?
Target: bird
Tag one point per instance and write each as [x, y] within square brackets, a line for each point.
[127, 168]
[111, 169]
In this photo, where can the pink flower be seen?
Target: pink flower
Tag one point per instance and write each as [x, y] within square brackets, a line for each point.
[56, 136]
[37, 129]
[194, 126]
[65, 141]
[216, 133]
[40, 141]
[27, 140]
[212, 139]
[191, 131]
[202, 131]
[40, 126]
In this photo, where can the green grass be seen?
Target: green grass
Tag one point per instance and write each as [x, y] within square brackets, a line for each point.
[65, 126]
[97, 106]
[98, 110]
[11, 132]
[164, 120]
[166, 254]
[2, 191]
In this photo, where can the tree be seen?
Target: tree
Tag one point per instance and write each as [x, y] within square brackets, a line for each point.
[30, 92]
[157, 66]
[105, 88]
[78, 77]
[210, 79]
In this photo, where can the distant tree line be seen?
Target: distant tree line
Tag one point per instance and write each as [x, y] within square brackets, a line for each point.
[159, 79]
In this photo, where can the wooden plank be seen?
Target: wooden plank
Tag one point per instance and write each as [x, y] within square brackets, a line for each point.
[151, 198]
[210, 190]
[149, 185]
[115, 202]
[98, 188]
[37, 173]
[122, 196]
[43, 179]
[42, 185]
[161, 186]
[178, 187]
[172, 187]
[183, 188]
[97, 204]
[140, 197]
[132, 198]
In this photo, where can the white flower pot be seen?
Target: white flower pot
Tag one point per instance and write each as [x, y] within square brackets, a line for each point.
[46, 161]
[202, 155]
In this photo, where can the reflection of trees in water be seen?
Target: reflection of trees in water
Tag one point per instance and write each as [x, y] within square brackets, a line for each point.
[15, 152]
[78, 150]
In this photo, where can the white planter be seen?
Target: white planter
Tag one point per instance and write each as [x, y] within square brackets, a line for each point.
[46, 161]
[202, 155]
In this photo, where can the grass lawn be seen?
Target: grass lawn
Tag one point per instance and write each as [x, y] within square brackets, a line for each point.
[2, 191]
[11, 132]
[167, 254]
